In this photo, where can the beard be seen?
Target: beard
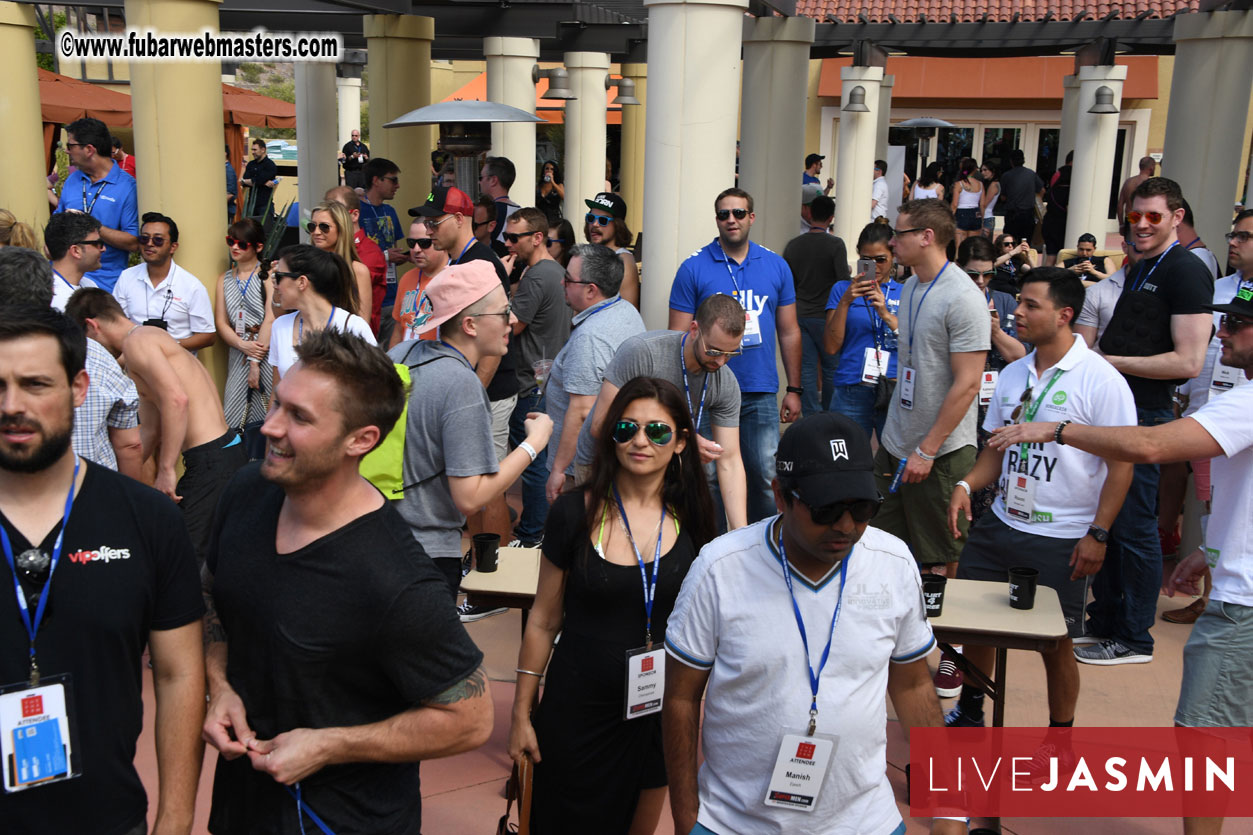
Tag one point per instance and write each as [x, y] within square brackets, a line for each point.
[40, 457]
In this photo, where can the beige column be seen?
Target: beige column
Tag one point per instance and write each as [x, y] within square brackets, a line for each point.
[23, 190]
[316, 124]
[1070, 118]
[884, 117]
[509, 62]
[586, 136]
[772, 127]
[631, 177]
[1096, 139]
[689, 154]
[855, 156]
[348, 99]
[399, 49]
[1209, 96]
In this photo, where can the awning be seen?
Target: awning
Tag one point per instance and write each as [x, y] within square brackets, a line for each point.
[247, 107]
[550, 110]
[64, 99]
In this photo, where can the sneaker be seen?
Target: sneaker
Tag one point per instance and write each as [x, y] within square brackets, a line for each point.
[948, 679]
[1085, 640]
[1109, 652]
[469, 614]
[1040, 768]
[956, 719]
[518, 542]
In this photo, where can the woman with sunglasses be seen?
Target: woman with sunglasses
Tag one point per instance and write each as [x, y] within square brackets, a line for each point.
[645, 512]
[605, 223]
[411, 289]
[317, 287]
[550, 191]
[330, 230]
[561, 241]
[244, 316]
[1013, 259]
[861, 330]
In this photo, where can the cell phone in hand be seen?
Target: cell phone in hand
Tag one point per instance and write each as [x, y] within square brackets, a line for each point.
[865, 269]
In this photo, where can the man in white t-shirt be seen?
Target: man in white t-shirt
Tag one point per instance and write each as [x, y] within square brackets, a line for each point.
[158, 292]
[1101, 298]
[1218, 658]
[1047, 514]
[879, 191]
[750, 636]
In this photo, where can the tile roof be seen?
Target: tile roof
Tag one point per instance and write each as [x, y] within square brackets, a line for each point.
[973, 11]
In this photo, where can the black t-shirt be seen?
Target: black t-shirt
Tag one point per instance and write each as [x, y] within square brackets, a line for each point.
[126, 568]
[259, 172]
[1098, 261]
[352, 629]
[1180, 285]
[817, 261]
[505, 382]
[350, 150]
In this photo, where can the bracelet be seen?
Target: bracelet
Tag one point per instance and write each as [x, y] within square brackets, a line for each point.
[1057, 433]
[918, 451]
[254, 360]
[528, 672]
[530, 450]
[795, 390]
[965, 484]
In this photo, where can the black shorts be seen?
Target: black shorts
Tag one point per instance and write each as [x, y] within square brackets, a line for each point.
[207, 469]
[968, 220]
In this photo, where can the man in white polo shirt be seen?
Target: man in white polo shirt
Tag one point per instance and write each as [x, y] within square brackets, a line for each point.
[158, 292]
[755, 633]
[1048, 514]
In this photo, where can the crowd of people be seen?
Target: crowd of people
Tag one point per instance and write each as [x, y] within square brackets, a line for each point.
[395, 387]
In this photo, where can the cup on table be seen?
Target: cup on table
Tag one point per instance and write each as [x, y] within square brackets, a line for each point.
[1022, 583]
[933, 594]
[486, 549]
[541, 369]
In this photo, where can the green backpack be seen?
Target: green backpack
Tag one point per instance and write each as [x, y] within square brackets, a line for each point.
[384, 465]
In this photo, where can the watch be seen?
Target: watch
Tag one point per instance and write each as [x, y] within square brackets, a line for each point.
[795, 390]
[1098, 533]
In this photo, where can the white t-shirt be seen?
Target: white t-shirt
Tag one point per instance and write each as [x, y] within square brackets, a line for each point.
[180, 299]
[1089, 391]
[1100, 300]
[1199, 388]
[879, 193]
[734, 618]
[1209, 258]
[283, 352]
[1229, 536]
[62, 290]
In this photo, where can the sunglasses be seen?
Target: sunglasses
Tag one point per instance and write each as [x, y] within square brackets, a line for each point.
[324, 228]
[657, 432]
[155, 240]
[723, 214]
[715, 353]
[477, 223]
[1007, 244]
[900, 232]
[393, 180]
[514, 237]
[1241, 237]
[1232, 324]
[878, 259]
[1023, 402]
[980, 273]
[99, 244]
[862, 510]
[34, 565]
[74, 145]
[432, 224]
[420, 243]
[597, 220]
[507, 312]
[237, 242]
[279, 275]
[1152, 217]
[552, 241]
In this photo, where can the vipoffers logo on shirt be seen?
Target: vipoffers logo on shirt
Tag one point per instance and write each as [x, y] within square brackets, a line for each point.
[103, 554]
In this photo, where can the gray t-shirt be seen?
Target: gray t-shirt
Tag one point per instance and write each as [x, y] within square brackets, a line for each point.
[657, 354]
[539, 301]
[580, 367]
[953, 319]
[449, 433]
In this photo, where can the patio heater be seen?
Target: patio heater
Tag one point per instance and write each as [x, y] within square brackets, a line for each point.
[924, 128]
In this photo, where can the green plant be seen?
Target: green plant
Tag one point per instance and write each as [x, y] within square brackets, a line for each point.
[249, 72]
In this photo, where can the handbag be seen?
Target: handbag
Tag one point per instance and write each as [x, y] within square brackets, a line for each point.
[518, 788]
[250, 431]
[883, 390]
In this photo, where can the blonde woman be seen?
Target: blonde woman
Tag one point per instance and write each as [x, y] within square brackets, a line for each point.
[330, 230]
[15, 233]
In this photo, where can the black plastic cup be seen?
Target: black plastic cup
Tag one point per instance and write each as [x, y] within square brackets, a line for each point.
[933, 594]
[1022, 583]
[486, 547]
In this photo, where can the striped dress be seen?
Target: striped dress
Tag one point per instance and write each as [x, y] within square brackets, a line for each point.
[250, 293]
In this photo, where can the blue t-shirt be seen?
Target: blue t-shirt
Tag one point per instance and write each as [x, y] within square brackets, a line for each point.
[808, 178]
[861, 329]
[762, 283]
[381, 224]
[113, 202]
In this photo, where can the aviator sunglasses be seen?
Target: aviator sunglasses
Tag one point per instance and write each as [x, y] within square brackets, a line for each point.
[1152, 217]
[657, 432]
[324, 228]
[862, 510]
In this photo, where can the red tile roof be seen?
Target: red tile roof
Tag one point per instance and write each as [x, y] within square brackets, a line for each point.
[973, 11]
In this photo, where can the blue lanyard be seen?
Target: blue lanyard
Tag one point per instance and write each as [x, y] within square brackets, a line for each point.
[599, 308]
[727, 263]
[1160, 258]
[66, 280]
[650, 588]
[301, 334]
[457, 260]
[454, 348]
[32, 626]
[303, 809]
[704, 386]
[815, 677]
[243, 289]
[913, 314]
[878, 328]
[87, 209]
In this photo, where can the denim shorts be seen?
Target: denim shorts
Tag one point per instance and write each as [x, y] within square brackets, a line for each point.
[1218, 669]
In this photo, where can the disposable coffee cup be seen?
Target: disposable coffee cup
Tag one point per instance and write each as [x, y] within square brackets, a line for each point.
[1022, 583]
[486, 547]
[933, 594]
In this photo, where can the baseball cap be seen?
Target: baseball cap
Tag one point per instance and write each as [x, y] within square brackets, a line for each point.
[444, 200]
[827, 455]
[812, 158]
[608, 202]
[808, 192]
[452, 291]
[1241, 305]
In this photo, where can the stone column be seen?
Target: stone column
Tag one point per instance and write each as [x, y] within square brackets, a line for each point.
[1209, 96]
[1070, 118]
[399, 48]
[631, 177]
[856, 154]
[348, 98]
[1096, 139]
[772, 127]
[693, 61]
[585, 131]
[884, 115]
[21, 126]
[509, 62]
[316, 123]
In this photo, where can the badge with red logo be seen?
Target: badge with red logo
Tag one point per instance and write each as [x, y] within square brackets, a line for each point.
[32, 706]
[36, 739]
[646, 682]
[799, 771]
[805, 751]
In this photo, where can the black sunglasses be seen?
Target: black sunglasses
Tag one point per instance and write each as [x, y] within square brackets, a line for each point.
[862, 510]
[657, 432]
[477, 223]
[155, 240]
[1232, 324]
[1023, 402]
[514, 237]
[99, 244]
[723, 214]
[980, 273]
[324, 228]
[420, 243]
[279, 275]
[599, 220]
[878, 259]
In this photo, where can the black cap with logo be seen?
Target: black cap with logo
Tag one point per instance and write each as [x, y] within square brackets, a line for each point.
[827, 456]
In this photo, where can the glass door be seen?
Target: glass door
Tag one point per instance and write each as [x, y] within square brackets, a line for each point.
[997, 144]
[1046, 161]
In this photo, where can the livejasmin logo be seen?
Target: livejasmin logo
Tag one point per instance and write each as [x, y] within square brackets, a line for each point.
[103, 554]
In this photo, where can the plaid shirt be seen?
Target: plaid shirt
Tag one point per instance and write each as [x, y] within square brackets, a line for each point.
[112, 401]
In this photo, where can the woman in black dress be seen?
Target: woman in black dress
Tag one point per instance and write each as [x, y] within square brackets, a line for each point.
[638, 523]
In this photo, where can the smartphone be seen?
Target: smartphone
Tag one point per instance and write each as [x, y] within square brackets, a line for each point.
[865, 269]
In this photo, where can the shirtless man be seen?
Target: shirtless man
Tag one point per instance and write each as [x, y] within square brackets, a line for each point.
[179, 409]
[1147, 166]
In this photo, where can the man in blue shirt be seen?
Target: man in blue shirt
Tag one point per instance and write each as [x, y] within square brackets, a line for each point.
[762, 282]
[381, 224]
[232, 187]
[103, 190]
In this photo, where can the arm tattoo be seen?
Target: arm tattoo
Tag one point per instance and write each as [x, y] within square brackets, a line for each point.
[471, 687]
[214, 632]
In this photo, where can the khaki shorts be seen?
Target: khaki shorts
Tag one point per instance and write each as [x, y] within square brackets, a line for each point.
[501, 410]
[1218, 669]
[918, 513]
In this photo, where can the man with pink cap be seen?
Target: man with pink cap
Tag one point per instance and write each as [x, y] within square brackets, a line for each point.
[450, 469]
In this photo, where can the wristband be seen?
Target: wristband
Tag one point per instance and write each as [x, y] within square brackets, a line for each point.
[528, 672]
[965, 484]
[1057, 433]
[530, 450]
[254, 360]
[918, 451]
[795, 390]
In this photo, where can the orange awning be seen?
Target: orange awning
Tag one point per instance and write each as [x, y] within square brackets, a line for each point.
[64, 99]
[247, 107]
[550, 110]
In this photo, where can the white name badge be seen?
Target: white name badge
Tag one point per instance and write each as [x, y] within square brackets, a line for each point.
[905, 386]
[646, 682]
[799, 771]
[239, 323]
[874, 366]
[1224, 378]
[987, 387]
[35, 739]
[1020, 496]
[752, 331]
[391, 271]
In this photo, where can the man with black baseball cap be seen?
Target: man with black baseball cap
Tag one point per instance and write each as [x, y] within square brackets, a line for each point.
[813, 576]
[813, 167]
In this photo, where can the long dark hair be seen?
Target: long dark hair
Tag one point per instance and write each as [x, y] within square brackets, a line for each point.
[329, 274]
[684, 488]
[565, 233]
[558, 180]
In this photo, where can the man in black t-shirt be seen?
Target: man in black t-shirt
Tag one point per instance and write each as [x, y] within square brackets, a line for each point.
[1157, 337]
[335, 660]
[116, 574]
[260, 176]
[353, 156]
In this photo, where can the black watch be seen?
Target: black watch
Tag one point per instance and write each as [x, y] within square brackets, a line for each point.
[1098, 533]
[795, 390]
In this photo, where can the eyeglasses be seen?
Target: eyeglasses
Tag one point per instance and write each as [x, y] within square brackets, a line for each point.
[431, 224]
[1241, 237]
[1232, 324]
[420, 243]
[862, 510]
[597, 220]
[324, 228]
[69, 145]
[878, 259]
[99, 244]
[155, 240]
[507, 312]
[393, 180]
[552, 241]
[1152, 217]
[279, 275]
[514, 237]
[566, 279]
[659, 433]
[723, 214]
[1023, 403]
[900, 232]
[980, 273]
